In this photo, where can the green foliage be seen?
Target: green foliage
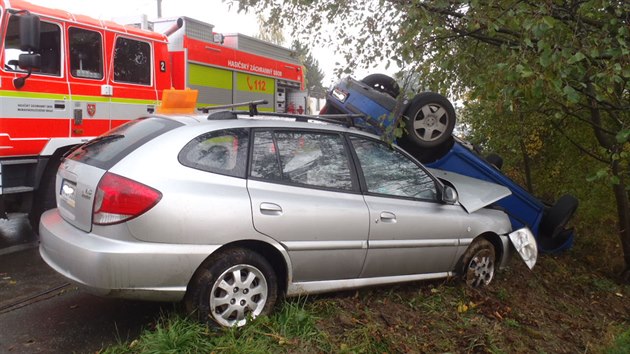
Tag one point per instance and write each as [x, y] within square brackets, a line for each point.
[621, 345]
[313, 73]
[269, 31]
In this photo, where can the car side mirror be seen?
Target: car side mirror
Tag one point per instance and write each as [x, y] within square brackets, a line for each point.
[449, 195]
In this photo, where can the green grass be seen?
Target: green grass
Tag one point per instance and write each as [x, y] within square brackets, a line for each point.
[291, 327]
[564, 305]
[171, 335]
[621, 344]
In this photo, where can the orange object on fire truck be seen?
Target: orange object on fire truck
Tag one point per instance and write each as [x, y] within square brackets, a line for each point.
[67, 78]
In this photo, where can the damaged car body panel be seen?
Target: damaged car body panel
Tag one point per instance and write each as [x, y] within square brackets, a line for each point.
[473, 193]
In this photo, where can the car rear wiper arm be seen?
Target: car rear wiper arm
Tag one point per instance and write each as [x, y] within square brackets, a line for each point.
[102, 138]
[92, 142]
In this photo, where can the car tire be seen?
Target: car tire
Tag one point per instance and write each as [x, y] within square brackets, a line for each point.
[382, 83]
[478, 264]
[216, 296]
[556, 218]
[430, 120]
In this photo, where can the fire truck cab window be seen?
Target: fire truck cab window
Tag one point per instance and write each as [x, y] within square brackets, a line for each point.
[132, 61]
[50, 48]
[86, 54]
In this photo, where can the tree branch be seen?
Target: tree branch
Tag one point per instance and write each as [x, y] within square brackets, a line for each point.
[577, 145]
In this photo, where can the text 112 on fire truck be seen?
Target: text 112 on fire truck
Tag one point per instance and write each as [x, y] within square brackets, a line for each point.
[68, 78]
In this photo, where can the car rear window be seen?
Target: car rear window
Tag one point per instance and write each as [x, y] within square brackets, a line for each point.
[223, 152]
[109, 148]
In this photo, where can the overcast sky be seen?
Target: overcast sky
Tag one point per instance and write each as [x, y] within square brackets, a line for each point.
[216, 12]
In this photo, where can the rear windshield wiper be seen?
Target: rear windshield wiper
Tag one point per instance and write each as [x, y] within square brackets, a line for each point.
[102, 138]
[92, 142]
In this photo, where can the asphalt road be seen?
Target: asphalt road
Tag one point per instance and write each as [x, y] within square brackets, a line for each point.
[41, 313]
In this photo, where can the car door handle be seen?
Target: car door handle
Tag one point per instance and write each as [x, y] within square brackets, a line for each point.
[270, 209]
[388, 217]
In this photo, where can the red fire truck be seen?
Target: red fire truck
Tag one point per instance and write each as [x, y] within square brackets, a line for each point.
[67, 78]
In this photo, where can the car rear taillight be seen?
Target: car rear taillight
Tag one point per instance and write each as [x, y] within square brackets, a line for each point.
[119, 199]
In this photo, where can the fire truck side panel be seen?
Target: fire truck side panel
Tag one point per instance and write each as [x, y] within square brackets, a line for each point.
[163, 68]
[251, 87]
[214, 84]
[178, 69]
[85, 60]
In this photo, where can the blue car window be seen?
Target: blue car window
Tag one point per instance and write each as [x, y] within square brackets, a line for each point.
[389, 172]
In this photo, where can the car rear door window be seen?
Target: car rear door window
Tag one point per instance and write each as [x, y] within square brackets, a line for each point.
[305, 158]
[389, 172]
[222, 151]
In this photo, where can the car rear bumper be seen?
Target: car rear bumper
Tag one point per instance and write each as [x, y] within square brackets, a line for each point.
[125, 269]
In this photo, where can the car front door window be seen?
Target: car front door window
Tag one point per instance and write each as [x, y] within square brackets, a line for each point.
[389, 172]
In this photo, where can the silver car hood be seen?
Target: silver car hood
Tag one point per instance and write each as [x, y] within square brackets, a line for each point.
[473, 193]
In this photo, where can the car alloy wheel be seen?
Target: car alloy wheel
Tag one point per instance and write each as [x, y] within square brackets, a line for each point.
[231, 287]
[479, 264]
[239, 293]
[430, 120]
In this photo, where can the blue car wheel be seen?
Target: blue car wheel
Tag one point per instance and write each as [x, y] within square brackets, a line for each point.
[430, 120]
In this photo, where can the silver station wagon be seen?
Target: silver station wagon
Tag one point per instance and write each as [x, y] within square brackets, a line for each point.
[229, 212]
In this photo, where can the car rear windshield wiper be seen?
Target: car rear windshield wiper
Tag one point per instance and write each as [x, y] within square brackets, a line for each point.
[92, 142]
[102, 138]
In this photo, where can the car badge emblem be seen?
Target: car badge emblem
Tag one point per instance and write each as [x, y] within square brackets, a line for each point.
[87, 193]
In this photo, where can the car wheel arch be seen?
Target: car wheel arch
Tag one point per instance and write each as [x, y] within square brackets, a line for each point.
[271, 253]
[491, 237]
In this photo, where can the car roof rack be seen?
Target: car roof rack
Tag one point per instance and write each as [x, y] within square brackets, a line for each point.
[342, 119]
[253, 107]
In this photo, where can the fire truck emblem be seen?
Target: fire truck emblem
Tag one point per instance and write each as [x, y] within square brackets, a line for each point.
[91, 109]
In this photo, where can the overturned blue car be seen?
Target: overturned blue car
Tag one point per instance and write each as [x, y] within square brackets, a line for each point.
[429, 120]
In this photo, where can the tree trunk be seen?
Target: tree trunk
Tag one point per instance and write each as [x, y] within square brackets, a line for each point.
[623, 210]
[528, 169]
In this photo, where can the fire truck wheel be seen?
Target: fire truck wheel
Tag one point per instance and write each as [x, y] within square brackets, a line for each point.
[382, 83]
[44, 197]
[430, 120]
